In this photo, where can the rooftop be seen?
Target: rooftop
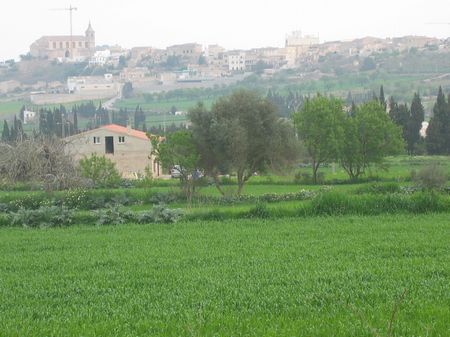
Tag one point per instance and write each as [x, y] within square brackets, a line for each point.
[117, 129]
[125, 130]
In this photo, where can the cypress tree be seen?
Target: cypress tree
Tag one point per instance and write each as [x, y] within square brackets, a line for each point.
[414, 125]
[382, 98]
[13, 130]
[136, 118]
[6, 137]
[19, 130]
[353, 109]
[437, 132]
[75, 121]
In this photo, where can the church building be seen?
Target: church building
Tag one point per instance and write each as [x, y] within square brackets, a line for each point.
[65, 47]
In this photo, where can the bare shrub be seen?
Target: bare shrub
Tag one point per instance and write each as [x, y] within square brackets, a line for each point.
[38, 160]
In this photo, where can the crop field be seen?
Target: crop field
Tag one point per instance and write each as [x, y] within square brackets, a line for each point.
[285, 259]
[337, 276]
[161, 106]
[9, 108]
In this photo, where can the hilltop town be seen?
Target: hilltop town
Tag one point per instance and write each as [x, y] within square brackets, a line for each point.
[62, 69]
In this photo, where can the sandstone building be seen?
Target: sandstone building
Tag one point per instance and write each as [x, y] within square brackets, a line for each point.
[129, 149]
[65, 47]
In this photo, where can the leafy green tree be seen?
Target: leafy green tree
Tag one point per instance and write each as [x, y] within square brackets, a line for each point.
[101, 170]
[122, 62]
[437, 140]
[178, 149]
[368, 64]
[237, 135]
[369, 136]
[127, 90]
[320, 127]
[414, 124]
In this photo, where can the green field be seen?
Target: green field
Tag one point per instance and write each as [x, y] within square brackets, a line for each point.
[316, 277]
[160, 106]
[9, 108]
[377, 267]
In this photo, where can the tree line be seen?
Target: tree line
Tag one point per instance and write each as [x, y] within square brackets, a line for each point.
[243, 133]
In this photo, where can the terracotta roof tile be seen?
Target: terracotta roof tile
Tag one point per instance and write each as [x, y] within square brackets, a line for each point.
[124, 130]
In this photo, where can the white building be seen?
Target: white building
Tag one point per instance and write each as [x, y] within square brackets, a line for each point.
[103, 85]
[100, 57]
[236, 60]
[296, 38]
[28, 116]
[297, 45]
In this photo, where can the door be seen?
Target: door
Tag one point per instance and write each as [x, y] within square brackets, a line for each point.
[109, 145]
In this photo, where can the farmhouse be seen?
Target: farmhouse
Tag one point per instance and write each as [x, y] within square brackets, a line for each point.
[129, 149]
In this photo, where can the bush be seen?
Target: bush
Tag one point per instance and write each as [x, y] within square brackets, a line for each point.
[146, 180]
[159, 214]
[431, 177]
[77, 198]
[101, 170]
[52, 216]
[30, 201]
[379, 188]
[113, 215]
[162, 198]
[305, 178]
[332, 203]
[259, 211]
[4, 208]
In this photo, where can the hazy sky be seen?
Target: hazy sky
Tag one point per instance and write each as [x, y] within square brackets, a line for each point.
[230, 23]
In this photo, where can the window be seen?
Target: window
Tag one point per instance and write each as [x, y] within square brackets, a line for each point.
[121, 139]
[54, 45]
[96, 140]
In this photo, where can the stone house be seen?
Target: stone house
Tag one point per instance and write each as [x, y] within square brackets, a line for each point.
[129, 149]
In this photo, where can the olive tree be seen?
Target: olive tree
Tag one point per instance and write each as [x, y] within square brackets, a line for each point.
[238, 135]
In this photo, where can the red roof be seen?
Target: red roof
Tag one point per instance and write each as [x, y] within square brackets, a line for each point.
[126, 131]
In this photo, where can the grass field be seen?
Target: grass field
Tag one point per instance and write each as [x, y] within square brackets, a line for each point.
[161, 106]
[8, 109]
[316, 277]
